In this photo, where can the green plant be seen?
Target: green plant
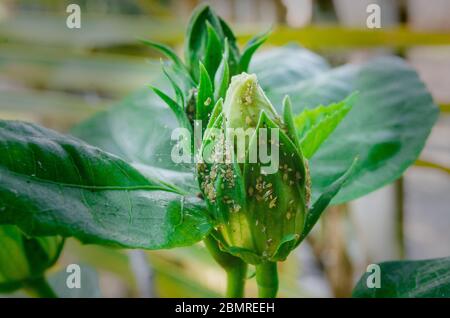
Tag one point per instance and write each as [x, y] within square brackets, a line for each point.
[116, 184]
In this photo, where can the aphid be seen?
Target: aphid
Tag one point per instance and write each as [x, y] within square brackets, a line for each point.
[273, 203]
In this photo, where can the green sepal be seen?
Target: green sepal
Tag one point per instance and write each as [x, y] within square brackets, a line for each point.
[231, 197]
[323, 201]
[215, 123]
[279, 219]
[216, 112]
[222, 76]
[246, 255]
[288, 119]
[287, 244]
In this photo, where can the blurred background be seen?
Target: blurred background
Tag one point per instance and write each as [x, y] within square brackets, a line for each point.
[57, 77]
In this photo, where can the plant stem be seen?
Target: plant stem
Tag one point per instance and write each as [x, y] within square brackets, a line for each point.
[39, 287]
[235, 268]
[399, 217]
[267, 279]
[236, 277]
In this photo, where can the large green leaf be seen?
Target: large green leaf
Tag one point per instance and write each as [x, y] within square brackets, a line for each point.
[285, 66]
[53, 184]
[23, 259]
[424, 278]
[138, 130]
[387, 128]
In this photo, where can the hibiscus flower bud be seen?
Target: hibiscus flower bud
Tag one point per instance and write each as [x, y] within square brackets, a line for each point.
[256, 182]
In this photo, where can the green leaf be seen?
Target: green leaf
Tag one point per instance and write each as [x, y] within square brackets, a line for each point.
[222, 77]
[168, 52]
[216, 112]
[250, 49]
[387, 127]
[316, 124]
[323, 201]
[55, 184]
[284, 67]
[179, 94]
[205, 95]
[408, 279]
[234, 56]
[164, 49]
[177, 109]
[197, 37]
[24, 258]
[213, 53]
